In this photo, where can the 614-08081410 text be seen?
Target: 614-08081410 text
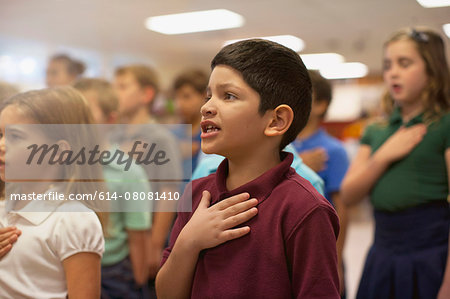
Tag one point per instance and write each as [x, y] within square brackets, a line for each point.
[140, 196]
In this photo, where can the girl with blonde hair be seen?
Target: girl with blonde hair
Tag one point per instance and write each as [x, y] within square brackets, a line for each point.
[59, 251]
[403, 164]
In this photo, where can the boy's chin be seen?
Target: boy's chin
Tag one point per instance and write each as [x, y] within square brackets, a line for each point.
[209, 150]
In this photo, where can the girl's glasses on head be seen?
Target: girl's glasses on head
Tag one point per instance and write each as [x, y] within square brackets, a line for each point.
[419, 36]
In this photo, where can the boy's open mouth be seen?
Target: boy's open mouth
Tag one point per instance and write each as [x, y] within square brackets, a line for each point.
[209, 127]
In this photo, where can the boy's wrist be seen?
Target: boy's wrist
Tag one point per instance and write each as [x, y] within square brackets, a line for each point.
[187, 245]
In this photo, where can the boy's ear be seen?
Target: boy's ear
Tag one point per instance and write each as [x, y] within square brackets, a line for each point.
[280, 121]
[149, 94]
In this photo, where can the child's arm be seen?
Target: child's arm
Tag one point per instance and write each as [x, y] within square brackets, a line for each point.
[8, 236]
[366, 169]
[444, 291]
[342, 211]
[136, 243]
[156, 239]
[209, 226]
[312, 257]
[82, 272]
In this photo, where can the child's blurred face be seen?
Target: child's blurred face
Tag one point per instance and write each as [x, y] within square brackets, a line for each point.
[404, 72]
[231, 124]
[188, 102]
[18, 140]
[131, 95]
[318, 108]
[57, 74]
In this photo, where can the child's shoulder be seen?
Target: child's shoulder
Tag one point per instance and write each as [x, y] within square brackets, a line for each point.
[298, 194]
[300, 207]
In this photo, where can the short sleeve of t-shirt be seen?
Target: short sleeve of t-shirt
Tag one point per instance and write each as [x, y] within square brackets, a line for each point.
[78, 232]
[315, 237]
[367, 135]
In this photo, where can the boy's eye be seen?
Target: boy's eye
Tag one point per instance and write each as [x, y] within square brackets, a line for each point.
[229, 96]
[207, 98]
[386, 65]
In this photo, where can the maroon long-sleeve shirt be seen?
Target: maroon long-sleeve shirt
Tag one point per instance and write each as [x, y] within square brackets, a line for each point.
[290, 251]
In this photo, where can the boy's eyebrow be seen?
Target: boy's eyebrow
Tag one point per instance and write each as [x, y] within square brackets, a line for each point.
[228, 85]
[224, 86]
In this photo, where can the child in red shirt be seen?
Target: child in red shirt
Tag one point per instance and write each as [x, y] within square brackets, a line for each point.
[257, 229]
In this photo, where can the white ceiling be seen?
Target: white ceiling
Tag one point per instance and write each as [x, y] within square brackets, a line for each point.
[353, 28]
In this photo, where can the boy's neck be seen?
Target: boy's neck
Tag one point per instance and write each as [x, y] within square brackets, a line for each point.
[244, 169]
[310, 129]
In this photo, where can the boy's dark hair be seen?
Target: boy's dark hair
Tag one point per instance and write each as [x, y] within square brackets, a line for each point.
[276, 73]
[321, 89]
[74, 67]
[195, 78]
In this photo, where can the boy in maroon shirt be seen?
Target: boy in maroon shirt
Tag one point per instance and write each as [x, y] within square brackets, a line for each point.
[257, 229]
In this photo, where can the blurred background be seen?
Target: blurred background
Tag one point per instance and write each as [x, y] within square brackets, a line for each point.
[105, 34]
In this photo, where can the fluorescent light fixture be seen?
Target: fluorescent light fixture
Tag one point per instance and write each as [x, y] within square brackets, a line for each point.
[197, 21]
[6, 63]
[446, 28]
[289, 41]
[434, 3]
[345, 70]
[321, 60]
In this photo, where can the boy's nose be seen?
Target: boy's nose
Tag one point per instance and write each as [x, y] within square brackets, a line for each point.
[208, 109]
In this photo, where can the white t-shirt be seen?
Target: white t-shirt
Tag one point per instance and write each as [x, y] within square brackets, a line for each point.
[33, 268]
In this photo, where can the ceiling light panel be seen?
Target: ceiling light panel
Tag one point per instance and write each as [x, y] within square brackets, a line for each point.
[198, 21]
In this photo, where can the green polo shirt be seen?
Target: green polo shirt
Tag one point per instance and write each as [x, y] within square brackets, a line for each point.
[119, 181]
[420, 177]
